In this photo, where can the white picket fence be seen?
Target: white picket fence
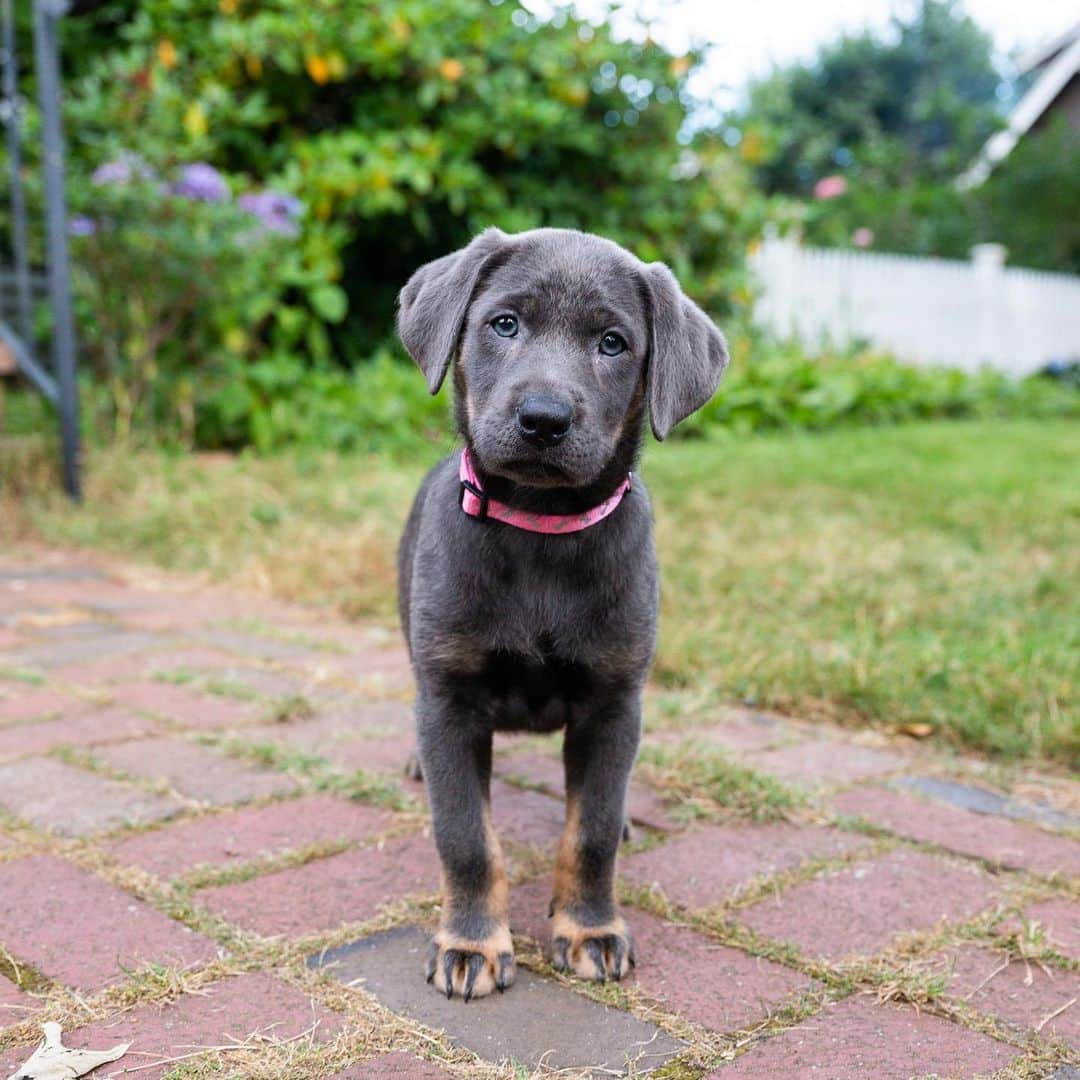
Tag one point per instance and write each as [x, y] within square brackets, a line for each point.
[925, 311]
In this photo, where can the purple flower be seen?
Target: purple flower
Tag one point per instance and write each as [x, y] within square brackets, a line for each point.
[202, 182]
[276, 211]
[81, 225]
[122, 170]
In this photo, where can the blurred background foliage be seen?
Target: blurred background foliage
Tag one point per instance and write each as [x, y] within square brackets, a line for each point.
[865, 142]
[401, 129]
[252, 182]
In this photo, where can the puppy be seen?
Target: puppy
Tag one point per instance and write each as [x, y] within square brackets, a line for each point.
[527, 574]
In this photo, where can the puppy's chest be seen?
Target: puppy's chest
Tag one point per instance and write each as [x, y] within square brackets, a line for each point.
[531, 693]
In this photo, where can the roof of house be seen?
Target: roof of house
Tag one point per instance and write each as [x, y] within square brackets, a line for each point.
[1056, 62]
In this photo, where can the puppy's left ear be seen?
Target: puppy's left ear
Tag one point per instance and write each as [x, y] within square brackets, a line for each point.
[688, 353]
[435, 300]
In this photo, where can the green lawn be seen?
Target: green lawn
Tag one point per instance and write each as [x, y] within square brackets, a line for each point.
[922, 574]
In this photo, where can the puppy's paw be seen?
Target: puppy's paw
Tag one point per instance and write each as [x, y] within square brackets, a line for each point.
[592, 952]
[471, 968]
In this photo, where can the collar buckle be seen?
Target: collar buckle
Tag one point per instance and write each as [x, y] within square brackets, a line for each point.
[481, 495]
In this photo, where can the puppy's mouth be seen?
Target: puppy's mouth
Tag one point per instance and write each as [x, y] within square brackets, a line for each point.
[534, 472]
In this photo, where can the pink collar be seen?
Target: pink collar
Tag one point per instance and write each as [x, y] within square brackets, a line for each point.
[475, 503]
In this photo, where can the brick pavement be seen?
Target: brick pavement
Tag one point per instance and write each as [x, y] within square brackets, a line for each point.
[207, 846]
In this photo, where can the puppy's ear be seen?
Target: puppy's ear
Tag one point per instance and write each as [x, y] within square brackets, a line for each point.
[435, 300]
[688, 353]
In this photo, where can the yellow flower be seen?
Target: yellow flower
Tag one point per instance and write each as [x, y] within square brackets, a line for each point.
[318, 69]
[335, 64]
[236, 340]
[195, 121]
[452, 70]
[254, 67]
[679, 66]
[166, 54]
[228, 7]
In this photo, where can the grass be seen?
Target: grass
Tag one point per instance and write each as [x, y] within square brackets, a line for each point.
[919, 574]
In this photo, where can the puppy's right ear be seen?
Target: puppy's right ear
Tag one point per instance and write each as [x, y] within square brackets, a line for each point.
[435, 300]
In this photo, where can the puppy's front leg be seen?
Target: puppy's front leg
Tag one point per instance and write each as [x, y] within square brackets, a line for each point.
[589, 936]
[472, 952]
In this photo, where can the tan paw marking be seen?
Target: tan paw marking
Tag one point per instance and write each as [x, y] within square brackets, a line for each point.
[592, 952]
[471, 968]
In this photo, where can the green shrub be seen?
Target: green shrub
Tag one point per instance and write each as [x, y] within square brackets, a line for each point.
[772, 385]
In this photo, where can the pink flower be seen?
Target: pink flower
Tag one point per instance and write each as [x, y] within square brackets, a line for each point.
[862, 237]
[829, 187]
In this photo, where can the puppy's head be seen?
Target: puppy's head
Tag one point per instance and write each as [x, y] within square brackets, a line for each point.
[559, 338]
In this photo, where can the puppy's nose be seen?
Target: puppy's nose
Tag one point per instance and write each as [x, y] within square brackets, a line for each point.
[544, 420]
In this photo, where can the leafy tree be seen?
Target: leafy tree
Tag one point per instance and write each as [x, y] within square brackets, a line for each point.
[917, 103]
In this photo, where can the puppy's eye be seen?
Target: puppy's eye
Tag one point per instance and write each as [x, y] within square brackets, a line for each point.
[504, 325]
[611, 344]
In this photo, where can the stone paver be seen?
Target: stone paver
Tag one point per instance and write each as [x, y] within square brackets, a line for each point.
[859, 909]
[239, 836]
[395, 1066]
[196, 772]
[706, 865]
[536, 1020]
[825, 762]
[256, 1005]
[1030, 995]
[1002, 842]
[1058, 919]
[82, 730]
[327, 893]
[71, 926]
[73, 802]
[856, 1039]
[983, 801]
[183, 706]
[715, 986]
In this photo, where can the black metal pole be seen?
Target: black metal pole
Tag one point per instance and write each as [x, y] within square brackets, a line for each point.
[13, 123]
[47, 56]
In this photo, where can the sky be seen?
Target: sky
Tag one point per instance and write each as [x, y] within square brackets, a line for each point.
[746, 37]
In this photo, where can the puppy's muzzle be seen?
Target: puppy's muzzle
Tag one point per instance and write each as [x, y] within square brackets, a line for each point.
[543, 420]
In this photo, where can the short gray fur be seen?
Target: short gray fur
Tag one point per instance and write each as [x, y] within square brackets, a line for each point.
[539, 1020]
[983, 801]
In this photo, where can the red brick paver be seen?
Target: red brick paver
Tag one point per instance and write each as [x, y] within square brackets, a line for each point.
[73, 802]
[1058, 920]
[861, 908]
[184, 706]
[86, 729]
[196, 772]
[76, 928]
[707, 865]
[252, 1007]
[713, 985]
[857, 1039]
[242, 835]
[325, 893]
[825, 762]
[20, 703]
[997, 840]
[1030, 995]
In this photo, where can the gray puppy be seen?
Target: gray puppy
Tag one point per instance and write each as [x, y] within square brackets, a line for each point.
[527, 575]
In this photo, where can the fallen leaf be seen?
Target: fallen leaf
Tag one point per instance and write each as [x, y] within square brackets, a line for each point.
[917, 731]
[52, 1060]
